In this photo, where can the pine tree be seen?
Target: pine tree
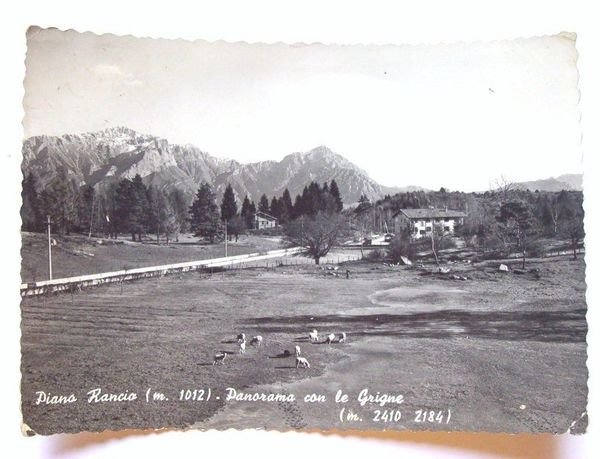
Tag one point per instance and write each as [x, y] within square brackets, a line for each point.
[335, 192]
[298, 207]
[107, 218]
[86, 208]
[228, 205]
[57, 201]
[247, 213]
[286, 207]
[245, 207]
[313, 199]
[132, 210]
[31, 217]
[204, 213]
[123, 198]
[263, 204]
[275, 208]
[139, 207]
[251, 220]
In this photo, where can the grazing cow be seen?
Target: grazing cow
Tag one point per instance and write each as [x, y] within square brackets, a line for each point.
[342, 338]
[241, 337]
[313, 336]
[330, 338]
[302, 362]
[297, 351]
[220, 357]
[256, 340]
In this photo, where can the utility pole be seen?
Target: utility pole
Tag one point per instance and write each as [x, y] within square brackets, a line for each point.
[49, 249]
[225, 238]
[91, 219]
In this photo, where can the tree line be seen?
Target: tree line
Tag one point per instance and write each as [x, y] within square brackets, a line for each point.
[501, 221]
[209, 220]
[129, 206]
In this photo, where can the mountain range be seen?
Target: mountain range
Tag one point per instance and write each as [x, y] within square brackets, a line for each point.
[101, 158]
[562, 182]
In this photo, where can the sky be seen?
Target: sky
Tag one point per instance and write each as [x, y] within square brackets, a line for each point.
[453, 115]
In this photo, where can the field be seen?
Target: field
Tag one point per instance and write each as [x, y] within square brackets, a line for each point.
[500, 351]
[76, 255]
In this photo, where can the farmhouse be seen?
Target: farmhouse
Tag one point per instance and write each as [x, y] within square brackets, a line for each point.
[419, 222]
[264, 220]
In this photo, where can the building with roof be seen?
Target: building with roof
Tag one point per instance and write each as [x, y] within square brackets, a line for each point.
[263, 220]
[419, 222]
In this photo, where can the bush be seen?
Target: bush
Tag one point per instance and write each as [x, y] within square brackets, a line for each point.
[536, 249]
[277, 231]
[402, 246]
[375, 255]
[447, 243]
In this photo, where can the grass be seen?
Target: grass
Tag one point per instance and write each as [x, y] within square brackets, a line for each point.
[482, 348]
[77, 255]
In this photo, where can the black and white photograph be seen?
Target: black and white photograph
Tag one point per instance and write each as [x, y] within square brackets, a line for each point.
[301, 236]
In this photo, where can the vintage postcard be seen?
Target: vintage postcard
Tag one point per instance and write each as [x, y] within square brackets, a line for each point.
[302, 236]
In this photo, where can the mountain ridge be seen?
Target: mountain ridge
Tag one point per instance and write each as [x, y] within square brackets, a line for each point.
[103, 157]
[106, 156]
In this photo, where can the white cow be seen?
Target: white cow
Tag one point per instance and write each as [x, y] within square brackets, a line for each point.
[256, 340]
[302, 362]
[220, 357]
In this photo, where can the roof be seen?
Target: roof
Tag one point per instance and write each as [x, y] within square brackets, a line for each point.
[265, 215]
[431, 213]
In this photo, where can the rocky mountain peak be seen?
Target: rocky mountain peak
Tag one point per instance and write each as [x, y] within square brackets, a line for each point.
[106, 156]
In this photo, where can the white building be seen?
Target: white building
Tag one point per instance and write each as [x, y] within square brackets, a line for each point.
[419, 222]
[264, 220]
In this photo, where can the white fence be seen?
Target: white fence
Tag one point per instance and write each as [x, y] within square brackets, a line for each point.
[69, 283]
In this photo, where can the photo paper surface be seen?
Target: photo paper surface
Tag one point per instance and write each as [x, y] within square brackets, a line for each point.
[302, 236]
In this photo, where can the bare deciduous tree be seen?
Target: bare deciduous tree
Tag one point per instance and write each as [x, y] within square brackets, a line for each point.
[571, 219]
[519, 225]
[315, 235]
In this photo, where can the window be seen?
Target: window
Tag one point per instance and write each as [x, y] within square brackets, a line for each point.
[428, 228]
[422, 232]
[446, 228]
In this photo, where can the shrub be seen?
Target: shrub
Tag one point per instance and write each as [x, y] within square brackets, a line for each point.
[375, 255]
[402, 246]
[447, 243]
[536, 249]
